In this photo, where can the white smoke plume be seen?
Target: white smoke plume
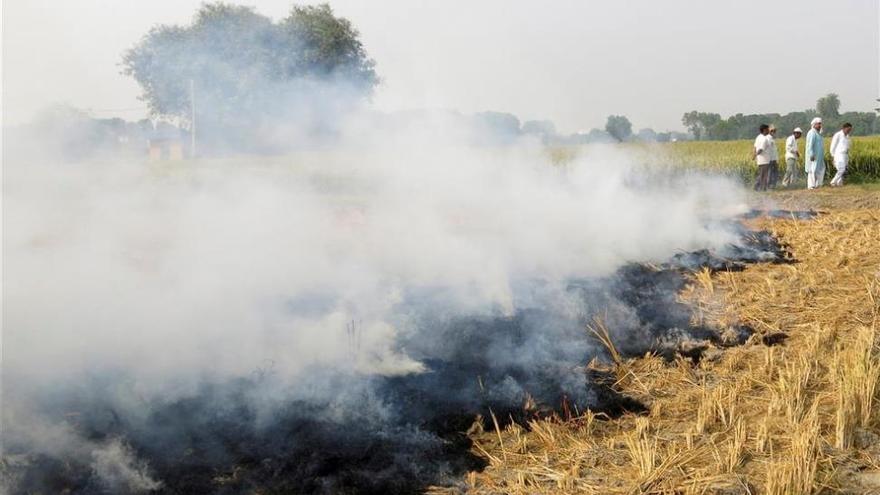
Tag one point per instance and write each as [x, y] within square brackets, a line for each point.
[152, 279]
[119, 471]
[203, 267]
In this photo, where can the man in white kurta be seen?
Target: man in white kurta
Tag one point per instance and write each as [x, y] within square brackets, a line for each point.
[814, 155]
[840, 144]
[791, 157]
[761, 150]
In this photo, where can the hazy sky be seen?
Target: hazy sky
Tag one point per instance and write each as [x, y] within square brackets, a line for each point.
[573, 62]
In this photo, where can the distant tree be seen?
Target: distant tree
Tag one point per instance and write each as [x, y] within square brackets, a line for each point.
[145, 125]
[249, 71]
[619, 127]
[599, 136]
[539, 127]
[828, 106]
[68, 132]
[700, 123]
[741, 126]
[721, 130]
[863, 122]
[72, 134]
[111, 127]
[786, 123]
[580, 137]
[496, 127]
[647, 134]
[692, 123]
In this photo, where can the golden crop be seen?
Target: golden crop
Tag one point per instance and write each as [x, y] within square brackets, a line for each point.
[735, 158]
[800, 416]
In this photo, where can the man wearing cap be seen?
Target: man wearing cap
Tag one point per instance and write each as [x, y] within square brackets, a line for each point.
[791, 157]
[761, 150]
[773, 153]
[814, 159]
[840, 152]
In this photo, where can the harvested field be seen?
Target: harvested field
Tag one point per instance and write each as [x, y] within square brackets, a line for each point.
[793, 411]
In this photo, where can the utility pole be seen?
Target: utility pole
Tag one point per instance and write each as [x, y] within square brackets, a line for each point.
[192, 118]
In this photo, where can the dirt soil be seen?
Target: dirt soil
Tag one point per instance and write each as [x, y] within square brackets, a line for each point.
[794, 410]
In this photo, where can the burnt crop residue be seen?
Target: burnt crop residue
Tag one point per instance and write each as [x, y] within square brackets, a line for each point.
[782, 214]
[346, 431]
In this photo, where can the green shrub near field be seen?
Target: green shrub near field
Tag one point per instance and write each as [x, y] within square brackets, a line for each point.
[735, 157]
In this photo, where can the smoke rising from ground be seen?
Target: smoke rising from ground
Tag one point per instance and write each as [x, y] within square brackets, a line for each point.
[361, 287]
[120, 264]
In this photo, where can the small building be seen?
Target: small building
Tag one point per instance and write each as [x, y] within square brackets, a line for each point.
[166, 143]
[166, 149]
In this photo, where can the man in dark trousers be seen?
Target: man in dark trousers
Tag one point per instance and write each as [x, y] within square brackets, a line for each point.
[761, 152]
[774, 157]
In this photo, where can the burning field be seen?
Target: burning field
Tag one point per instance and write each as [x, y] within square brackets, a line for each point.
[793, 410]
[482, 322]
[258, 253]
[393, 434]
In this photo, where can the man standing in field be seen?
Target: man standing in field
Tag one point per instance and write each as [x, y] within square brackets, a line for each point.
[791, 157]
[774, 157]
[761, 151]
[840, 152]
[814, 161]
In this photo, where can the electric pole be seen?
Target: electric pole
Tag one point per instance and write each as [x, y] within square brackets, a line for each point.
[192, 118]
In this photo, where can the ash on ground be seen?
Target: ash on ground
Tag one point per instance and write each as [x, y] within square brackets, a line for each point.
[347, 432]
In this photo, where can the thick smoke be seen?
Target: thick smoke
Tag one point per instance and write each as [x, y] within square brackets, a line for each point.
[326, 321]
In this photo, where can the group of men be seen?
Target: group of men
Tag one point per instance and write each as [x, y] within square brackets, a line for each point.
[767, 156]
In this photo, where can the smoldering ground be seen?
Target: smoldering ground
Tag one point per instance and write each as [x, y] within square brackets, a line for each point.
[328, 321]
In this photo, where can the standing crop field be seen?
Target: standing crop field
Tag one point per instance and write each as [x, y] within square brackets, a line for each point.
[734, 157]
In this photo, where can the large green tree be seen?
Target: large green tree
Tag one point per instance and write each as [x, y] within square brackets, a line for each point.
[249, 73]
[619, 127]
[828, 106]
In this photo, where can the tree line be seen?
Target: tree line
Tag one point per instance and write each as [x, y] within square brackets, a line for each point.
[255, 84]
[712, 127]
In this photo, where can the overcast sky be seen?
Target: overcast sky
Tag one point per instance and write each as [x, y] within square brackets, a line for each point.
[573, 62]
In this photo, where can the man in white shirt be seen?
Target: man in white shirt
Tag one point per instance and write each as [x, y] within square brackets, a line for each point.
[773, 153]
[840, 152]
[791, 157]
[761, 151]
